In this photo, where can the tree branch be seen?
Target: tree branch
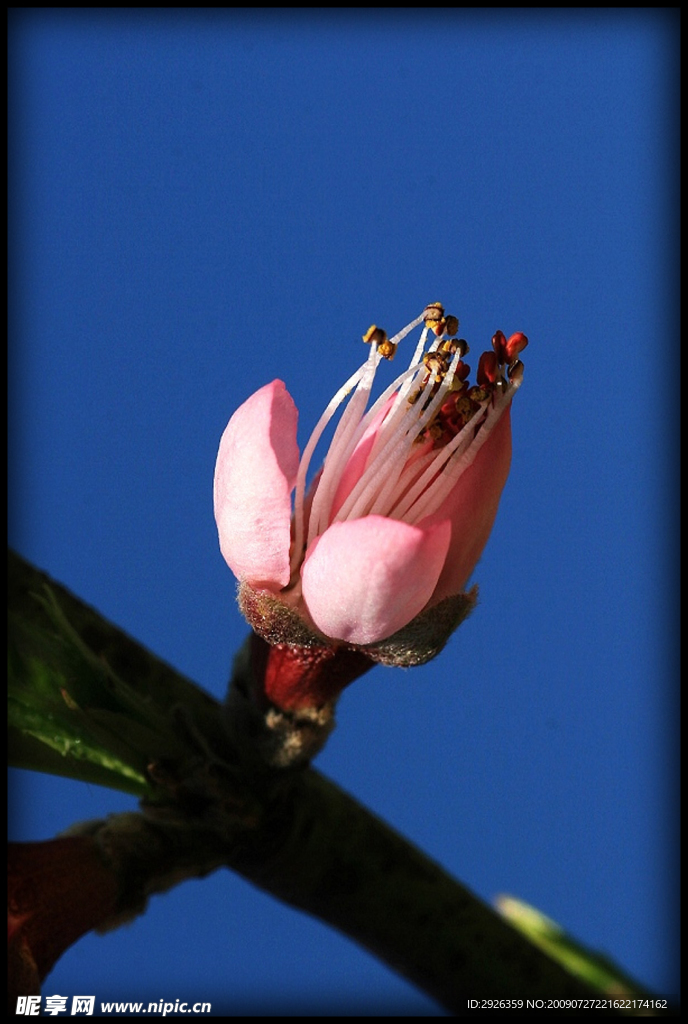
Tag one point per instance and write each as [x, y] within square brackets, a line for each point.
[205, 805]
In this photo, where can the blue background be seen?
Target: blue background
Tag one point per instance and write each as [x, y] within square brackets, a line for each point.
[203, 201]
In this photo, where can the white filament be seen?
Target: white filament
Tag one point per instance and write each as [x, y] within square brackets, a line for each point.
[394, 482]
[361, 381]
[327, 415]
[393, 453]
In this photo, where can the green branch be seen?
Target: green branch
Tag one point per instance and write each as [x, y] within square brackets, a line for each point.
[88, 702]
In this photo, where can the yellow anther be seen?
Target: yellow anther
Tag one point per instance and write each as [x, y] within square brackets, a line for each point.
[465, 407]
[375, 335]
[432, 314]
[479, 393]
[434, 310]
[387, 349]
[437, 363]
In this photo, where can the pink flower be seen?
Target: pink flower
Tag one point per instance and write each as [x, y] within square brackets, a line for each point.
[399, 514]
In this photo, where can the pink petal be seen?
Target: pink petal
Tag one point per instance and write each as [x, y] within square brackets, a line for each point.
[364, 579]
[471, 508]
[255, 474]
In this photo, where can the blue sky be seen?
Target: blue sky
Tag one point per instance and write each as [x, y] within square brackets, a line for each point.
[193, 196]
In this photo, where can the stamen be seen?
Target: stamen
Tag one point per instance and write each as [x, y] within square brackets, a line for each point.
[488, 368]
[432, 314]
[327, 415]
[399, 408]
[430, 406]
[411, 473]
[378, 337]
[389, 462]
[374, 335]
[413, 380]
[413, 487]
[462, 452]
[416, 502]
[420, 347]
[340, 446]
[499, 345]
[516, 373]
[405, 330]
[515, 345]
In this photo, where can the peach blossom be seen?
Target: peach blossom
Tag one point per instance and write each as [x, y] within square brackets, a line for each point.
[398, 516]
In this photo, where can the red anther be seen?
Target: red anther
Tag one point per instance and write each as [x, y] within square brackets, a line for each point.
[454, 414]
[448, 409]
[462, 370]
[515, 345]
[488, 367]
[499, 345]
